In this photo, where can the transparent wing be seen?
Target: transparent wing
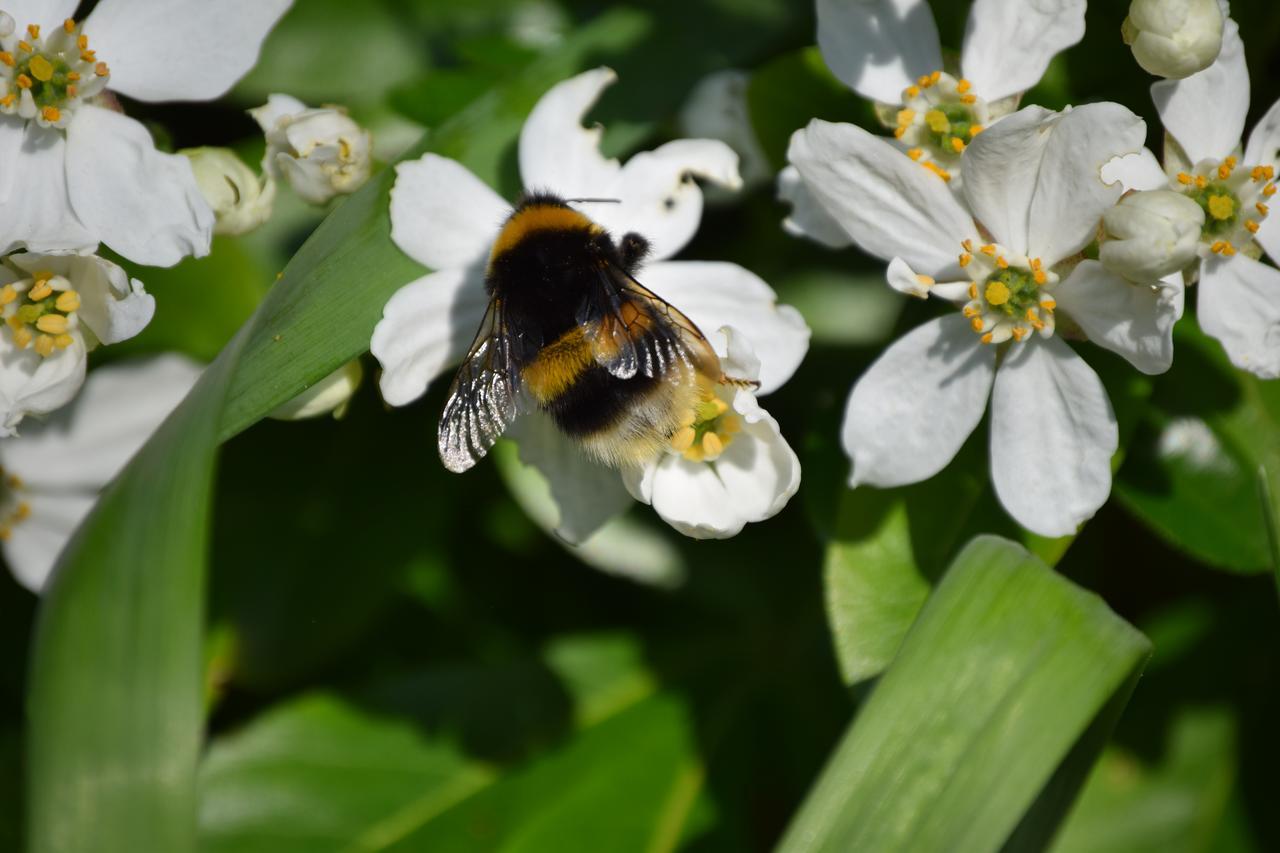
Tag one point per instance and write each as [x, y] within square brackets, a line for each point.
[641, 333]
[482, 400]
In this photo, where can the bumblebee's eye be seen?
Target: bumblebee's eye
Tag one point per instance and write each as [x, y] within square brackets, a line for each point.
[633, 249]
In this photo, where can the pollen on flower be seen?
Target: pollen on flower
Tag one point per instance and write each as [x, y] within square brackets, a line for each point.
[939, 116]
[1221, 206]
[41, 310]
[1226, 191]
[708, 427]
[39, 81]
[1008, 295]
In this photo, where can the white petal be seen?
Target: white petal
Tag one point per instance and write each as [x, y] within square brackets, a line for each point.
[84, 445]
[714, 294]
[1052, 437]
[1138, 171]
[1132, 320]
[889, 205]
[46, 13]
[914, 407]
[1239, 304]
[656, 195]
[556, 152]
[1008, 43]
[1268, 236]
[426, 327]
[586, 493]
[904, 279]
[38, 213]
[1206, 111]
[878, 47]
[443, 216]
[12, 132]
[35, 543]
[31, 385]
[180, 50]
[808, 218]
[142, 203]
[1264, 139]
[112, 305]
[751, 481]
[277, 107]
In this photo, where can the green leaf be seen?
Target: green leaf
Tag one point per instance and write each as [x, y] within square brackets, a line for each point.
[1006, 668]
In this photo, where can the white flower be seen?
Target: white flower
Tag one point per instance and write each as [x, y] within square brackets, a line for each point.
[446, 218]
[1239, 300]
[321, 152]
[1033, 183]
[1152, 233]
[74, 170]
[56, 308]
[717, 109]
[241, 200]
[1174, 38]
[328, 396]
[55, 469]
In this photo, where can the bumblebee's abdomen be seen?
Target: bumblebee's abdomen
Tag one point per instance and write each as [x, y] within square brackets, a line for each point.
[599, 401]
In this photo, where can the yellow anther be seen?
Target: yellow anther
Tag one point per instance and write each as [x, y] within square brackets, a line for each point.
[973, 290]
[937, 121]
[968, 245]
[924, 82]
[83, 42]
[69, 25]
[915, 153]
[101, 69]
[6, 58]
[53, 324]
[23, 81]
[905, 117]
[986, 339]
[1227, 249]
[73, 76]
[1262, 209]
[22, 512]
[926, 280]
[910, 92]
[1269, 190]
[41, 68]
[63, 341]
[5, 534]
[1002, 263]
[1221, 206]
[1251, 226]
[88, 56]
[40, 290]
[683, 439]
[22, 337]
[963, 85]
[7, 294]
[899, 132]
[1217, 245]
[8, 100]
[1184, 179]
[977, 324]
[937, 170]
[988, 249]
[51, 114]
[712, 446]
[1263, 173]
[975, 129]
[1224, 170]
[72, 90]
[24, 47]
[67, 301]
[44, 345]
[965, 259]
[935, 77]
[1048, 303]
[33, 30]
[971, 311]
[968, 99]
[1039, 276]
[997, 293]
[14, 322]
[1201, 182]
[957, 144]
[1020, 332]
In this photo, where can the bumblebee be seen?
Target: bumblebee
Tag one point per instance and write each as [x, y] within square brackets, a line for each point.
[571, 332]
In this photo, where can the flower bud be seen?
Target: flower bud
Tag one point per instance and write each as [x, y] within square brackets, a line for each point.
[240, 199]
[331, 394]
[1151, 234]
[1174, 38]
[321, 152]
[7, 25]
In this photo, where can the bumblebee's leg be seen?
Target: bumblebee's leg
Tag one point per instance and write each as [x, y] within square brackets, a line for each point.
[634, 249]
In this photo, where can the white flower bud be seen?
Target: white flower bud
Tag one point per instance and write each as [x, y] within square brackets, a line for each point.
[331, 394]
[1174, 38]
[240, 199]
[1151, 234]
[321, 152]
[7, 25]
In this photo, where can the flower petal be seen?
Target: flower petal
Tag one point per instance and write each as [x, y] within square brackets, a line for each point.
[556, 152]
[657, 199]
[443, 216]
[84, 445]
[426, 327]
[878, 47]
[1132, 320]
[1239, 304]
[31, 385]
[808, 218]
[180, 50]
[38, 215]
[1264, 139]
[1206, 111]
[1008, 43]
[714, 294]
[142, 203]
[113, 306]
[1138, 171]
[586, 493]
[45, 13]
[34, 543]
[1052, 437]
[914, 407]
[12, 133]
[888, 205]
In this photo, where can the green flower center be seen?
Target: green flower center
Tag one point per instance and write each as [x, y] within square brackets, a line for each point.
[50, 79]
[1011, 292]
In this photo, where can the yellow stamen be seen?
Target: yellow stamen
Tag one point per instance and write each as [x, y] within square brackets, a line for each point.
[33, 30]
[1262, 173]
[40, 290]
[51, 114]
[23, 81]
[905, 117]
[63, 341]
[1225, 169]
[101, 69]
[1251, 226]
[968, 245]
[22, 512]
[915, 153]
[1002, 263]
[973, 290]
[926, 280]
[986, 339]
[1184, 179]
[963, 85]
[966, 259]
[22, 337]
[7, 58]
[72, 90]
[1269, 190]
[1221, 206]
[899, 132]
[41, 68]
[1048, 303]
[924, 82]
[683, 439]
[957, 144]
[988, 249]
[44, 345]
[7, 100]
[937, 170]
[968, 99]
[7, 294]
[911, 92]
[977, 324]
[73, 76]
[712, 445]
[24, 47]
[975, 129]
[1262, 208]
[1201, 182]
[997, 293]
[1020, 332]
[83, 42]
[53, 324]
[67, 301]
[971, 311]
[1039, 276]
[935, 77]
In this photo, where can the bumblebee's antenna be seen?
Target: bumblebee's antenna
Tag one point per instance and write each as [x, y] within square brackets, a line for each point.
[594, 200]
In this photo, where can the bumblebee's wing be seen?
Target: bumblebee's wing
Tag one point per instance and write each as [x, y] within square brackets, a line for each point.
[636, 331]
[482, 400]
